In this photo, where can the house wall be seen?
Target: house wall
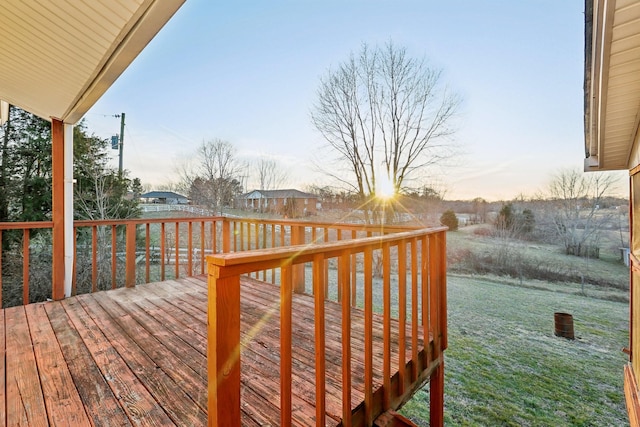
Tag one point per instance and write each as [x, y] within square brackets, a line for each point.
[303, 207]
[634, 158]
[634, 338]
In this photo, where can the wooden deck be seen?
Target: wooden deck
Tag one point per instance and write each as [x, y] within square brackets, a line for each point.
[138, 357]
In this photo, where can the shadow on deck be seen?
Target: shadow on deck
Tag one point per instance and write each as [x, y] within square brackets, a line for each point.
[138, 356]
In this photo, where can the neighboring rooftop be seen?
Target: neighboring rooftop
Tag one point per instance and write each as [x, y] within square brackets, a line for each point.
[277, 194]
[162, 195]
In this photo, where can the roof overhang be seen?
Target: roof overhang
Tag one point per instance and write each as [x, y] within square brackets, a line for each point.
[57, 58]
[612, 83]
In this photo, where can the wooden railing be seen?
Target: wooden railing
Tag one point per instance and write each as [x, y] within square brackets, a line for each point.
[116, 253]
[419, 304]
[347, 263]
[107, 254]
[23, 231]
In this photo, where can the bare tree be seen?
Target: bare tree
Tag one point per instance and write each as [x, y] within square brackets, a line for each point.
[576, 216]
[387, 116]
[213, 177]
[217, 159]
[479, 206]
[271, 176]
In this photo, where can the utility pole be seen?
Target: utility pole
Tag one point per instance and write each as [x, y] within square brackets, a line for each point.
[121, 143]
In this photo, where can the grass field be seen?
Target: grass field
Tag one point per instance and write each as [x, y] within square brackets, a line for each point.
[547, 260]
[505, 366]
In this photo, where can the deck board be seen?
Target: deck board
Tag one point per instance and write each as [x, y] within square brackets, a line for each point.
[134, 398]
[25, 401]
[138, 357]
[137, 349]
[64, 406]
[100, 403]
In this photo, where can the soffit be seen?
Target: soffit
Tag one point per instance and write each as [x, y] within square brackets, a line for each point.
[58, 57]
[613, 112]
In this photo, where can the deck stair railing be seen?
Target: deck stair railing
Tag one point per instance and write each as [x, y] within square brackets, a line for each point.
[413, 270]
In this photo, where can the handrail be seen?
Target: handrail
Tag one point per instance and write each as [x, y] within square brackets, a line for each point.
[251, 261]
[422, 300]
[113, 253]
[25, 225]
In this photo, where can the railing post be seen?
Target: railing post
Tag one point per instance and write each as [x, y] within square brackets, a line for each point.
[1, 306]
[226, 236]
[223, 348]
[298, 238]
[285, 345]
[130, 266]
[436, 395]
[25, 265]
[442, 238]
[438, 295]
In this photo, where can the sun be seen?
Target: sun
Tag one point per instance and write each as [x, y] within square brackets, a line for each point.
[384, 187]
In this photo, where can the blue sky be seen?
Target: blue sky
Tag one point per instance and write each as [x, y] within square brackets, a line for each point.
[248, 71]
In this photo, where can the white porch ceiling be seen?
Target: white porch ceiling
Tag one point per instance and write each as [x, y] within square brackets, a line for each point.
[612, 84]
[58, 57]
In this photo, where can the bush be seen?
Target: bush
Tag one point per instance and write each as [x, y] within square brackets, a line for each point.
[449, 219]
[483, 231]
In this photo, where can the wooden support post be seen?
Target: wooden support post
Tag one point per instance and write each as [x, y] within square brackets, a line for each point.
[436, 396]
[69, 231]
[58, 211]
[25, 266]
[434, 296]
[94, 258]
[190, 248]
[177, 251]
[163, 249]
[343, 283]
[286, 329]
[1, 306]
[402, 315]
[226, 236]
[442, 254]
[386, 327]
[368, 336]
[320, 337]
[114, 255]
[130, 267]
[147, 254]
[298, 238]
[426, 301]
[223, 349]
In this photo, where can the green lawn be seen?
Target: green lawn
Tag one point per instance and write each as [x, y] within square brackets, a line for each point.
[504, 366]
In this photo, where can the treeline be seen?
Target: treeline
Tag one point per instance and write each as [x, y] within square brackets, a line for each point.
[572, 212]
[25, 173]
[100, 192]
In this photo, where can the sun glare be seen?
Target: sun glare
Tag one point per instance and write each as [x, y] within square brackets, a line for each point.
[384, 187]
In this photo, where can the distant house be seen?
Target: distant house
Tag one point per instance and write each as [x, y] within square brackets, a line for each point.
[164, 198]
[290, 203]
